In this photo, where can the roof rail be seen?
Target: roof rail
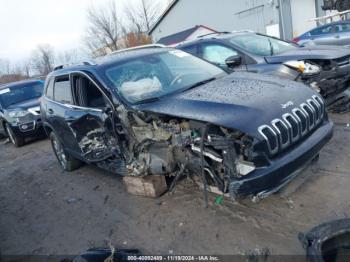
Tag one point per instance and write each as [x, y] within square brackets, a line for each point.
[73, 64]
[213, 33]
[136, 48]
[243, 31]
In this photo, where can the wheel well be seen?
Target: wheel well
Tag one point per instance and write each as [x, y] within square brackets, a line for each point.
[3, 123]
[48, 130]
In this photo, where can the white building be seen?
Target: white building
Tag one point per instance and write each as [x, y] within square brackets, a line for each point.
[283, 18]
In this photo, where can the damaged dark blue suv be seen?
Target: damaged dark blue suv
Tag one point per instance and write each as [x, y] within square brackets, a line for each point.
[160, 111]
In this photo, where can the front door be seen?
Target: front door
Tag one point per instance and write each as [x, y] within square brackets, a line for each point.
[89, 120]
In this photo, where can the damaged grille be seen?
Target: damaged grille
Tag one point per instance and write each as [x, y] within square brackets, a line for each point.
[292, 127]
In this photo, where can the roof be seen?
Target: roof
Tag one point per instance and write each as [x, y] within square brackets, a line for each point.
[218, 35]
[110, 59]
[172, 4]
[179, 37]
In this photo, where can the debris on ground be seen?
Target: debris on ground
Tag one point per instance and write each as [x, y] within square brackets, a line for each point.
[72, 200]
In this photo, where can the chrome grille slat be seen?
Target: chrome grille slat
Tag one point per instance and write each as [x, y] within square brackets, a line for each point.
[281, 133]
[261, 130]
[294, 137]
[302, 131]
[321, 104]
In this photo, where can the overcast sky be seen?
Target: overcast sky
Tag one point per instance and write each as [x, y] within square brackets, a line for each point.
[24, 24]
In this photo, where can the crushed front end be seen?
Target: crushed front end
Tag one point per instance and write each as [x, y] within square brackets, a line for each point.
[225, 158]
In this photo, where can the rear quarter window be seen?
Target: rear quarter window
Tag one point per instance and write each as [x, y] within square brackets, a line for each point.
[62, 91]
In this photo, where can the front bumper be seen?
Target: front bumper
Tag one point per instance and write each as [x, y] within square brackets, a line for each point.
[264, 181]
[28, 128]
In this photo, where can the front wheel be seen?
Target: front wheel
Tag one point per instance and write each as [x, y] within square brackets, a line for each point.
[16, 140]
[67, 162]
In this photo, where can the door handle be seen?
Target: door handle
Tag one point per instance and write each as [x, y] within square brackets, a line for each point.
[50, 111]
[338, 36]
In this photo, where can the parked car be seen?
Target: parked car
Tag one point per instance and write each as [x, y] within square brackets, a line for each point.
[336, 33]
[20, 110]
[325, 69]
[162, 111]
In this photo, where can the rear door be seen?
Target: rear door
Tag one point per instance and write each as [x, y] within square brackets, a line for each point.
[58, 109]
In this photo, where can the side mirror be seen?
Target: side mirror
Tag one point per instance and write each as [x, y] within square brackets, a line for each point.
[233, 61]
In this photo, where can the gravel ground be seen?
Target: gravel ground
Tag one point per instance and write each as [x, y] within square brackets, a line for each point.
[46, 211]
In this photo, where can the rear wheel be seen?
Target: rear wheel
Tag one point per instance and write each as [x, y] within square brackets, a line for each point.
[67, 162]
[16, 140]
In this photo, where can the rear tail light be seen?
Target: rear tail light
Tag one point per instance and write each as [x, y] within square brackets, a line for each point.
[296, 40]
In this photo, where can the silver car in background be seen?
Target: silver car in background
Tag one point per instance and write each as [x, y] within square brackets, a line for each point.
[336, 33]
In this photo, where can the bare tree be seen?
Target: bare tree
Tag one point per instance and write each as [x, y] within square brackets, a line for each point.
[67, 57]
[144, 15]
[5, 66]
[27, 67]
[43, 59]
[104, 29]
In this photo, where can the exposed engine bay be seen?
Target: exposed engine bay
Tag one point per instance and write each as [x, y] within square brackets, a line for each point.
[160, 145]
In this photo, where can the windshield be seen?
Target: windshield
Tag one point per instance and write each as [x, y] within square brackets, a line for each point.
[261, 45]
[152, 76]
[17, 94]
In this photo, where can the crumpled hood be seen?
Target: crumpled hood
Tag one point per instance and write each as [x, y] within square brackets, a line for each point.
[26, 104]
[310, 52]
[242, 101]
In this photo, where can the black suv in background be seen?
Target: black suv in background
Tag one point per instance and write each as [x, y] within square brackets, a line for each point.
[325, 68]
[20, 110]
[162, 111]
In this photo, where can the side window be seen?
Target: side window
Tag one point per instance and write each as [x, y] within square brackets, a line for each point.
[322, 30]
[217, 53]
[62, 90]
[49, 89]
[87, 94]
[342, 28]
[190, 49]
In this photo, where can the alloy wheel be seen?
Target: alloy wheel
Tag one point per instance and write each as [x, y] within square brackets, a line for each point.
[61, 156]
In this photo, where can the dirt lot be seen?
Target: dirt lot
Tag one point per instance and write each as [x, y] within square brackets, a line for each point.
[46, 211]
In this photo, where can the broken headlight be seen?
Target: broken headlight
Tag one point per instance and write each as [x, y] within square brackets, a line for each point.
[243, 168]
[18, 113]
[305, 68]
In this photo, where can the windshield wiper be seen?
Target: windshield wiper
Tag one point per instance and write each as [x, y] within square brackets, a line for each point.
[199, 83]
[147, 100]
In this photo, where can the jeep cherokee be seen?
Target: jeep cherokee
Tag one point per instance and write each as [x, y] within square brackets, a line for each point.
[161, 111]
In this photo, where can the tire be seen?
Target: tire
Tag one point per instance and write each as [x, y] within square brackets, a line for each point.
[15, 140]
[67, 162]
